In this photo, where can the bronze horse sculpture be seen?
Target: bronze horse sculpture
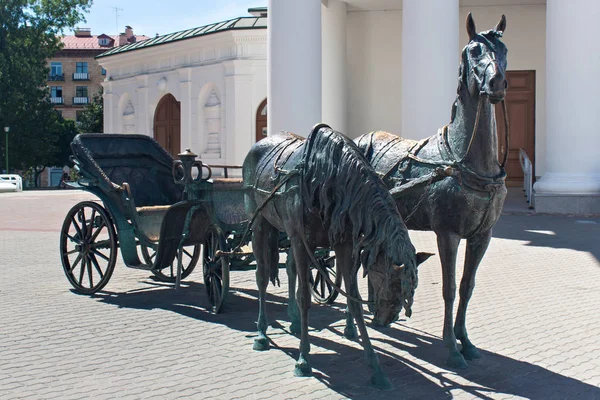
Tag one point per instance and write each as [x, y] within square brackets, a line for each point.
[452, 183]
[322, 192]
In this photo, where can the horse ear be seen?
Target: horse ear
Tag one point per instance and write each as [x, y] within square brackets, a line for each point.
[471, 27]
[422, 257]
[501, 25]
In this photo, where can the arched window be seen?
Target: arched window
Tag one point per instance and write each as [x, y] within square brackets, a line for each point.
[261, 121]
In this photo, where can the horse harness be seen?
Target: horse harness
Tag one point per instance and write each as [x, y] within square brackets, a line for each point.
[449, 165]
[298, 170]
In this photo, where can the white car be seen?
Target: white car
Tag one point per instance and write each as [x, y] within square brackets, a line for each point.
[11, 183]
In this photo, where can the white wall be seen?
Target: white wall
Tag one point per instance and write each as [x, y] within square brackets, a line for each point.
[374, 64]
[374, 67]
[231, 63]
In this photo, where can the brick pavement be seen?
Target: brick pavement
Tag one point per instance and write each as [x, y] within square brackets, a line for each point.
[534, 314]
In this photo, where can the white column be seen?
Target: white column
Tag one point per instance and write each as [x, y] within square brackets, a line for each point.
[334, 65]
[294, 65]
[430, 59]
[239, 111]
[108, 99]
[141, 110]
[572, 117]
[185, 88]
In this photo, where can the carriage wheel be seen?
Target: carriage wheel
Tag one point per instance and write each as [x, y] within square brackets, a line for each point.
[88, 247]
[191, 255]
[322, 291]
[215, 268]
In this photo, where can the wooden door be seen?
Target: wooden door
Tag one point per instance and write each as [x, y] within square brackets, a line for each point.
[167, 124]
[520, 107]
[261, 121]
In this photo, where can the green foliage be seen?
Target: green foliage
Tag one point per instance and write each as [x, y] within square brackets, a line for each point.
[91, 120]
[28, 38]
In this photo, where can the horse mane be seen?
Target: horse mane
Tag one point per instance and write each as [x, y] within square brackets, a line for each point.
[352, 201]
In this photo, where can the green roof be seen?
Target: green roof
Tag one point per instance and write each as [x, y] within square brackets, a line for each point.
[229, 25]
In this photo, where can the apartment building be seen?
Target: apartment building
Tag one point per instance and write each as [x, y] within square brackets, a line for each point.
[75, 76]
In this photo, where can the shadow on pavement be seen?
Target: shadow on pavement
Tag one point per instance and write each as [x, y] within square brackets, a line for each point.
[559, 232]
[345, 370]
[239, 312]
[491, 376]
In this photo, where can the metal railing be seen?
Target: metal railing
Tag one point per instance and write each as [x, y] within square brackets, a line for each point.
[56, 77]
[57, 100]
[81, 76]
[80, 100]
[527, 168]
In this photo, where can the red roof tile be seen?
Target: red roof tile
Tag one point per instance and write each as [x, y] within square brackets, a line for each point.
[72, 42]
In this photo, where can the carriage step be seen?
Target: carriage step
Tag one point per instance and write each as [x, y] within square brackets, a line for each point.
[220, 253]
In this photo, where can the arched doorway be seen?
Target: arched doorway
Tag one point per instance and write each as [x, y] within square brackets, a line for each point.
[261, 121]
[167, 124]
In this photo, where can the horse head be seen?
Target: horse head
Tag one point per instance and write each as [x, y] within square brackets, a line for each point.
[394, 288]
[483, 67]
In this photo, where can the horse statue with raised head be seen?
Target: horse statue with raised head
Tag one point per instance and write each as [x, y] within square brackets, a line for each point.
[322, 192]
[452, 183]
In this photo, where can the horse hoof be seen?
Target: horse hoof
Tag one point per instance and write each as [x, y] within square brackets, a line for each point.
[456, 360]
[381, 382]
[471, 353]
[295, 328]
[303, 369]
[261, 344]
[350, 332]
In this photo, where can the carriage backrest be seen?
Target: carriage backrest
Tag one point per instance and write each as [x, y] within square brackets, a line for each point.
[136, 159]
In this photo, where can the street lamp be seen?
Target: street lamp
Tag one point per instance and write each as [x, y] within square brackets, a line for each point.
[6, 129]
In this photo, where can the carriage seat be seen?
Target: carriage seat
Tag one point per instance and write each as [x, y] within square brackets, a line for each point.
[228, 183]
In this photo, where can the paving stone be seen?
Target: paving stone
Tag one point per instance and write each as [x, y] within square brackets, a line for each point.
[533, 315]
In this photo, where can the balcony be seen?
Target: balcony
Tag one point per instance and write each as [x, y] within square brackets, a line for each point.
[80, 100]
[56, 77]
[81, 76]
[57, 100]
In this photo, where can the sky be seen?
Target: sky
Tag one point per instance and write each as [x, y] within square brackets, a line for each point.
[148, 17]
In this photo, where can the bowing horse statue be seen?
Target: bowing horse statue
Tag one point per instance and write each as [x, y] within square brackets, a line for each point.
[322, 192]
[452, 183]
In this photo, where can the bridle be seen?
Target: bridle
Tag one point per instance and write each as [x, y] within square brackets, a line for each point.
[481, 82]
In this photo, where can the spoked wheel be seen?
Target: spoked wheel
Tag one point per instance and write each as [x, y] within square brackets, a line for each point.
[215, 268]
[191, 255]
[323, 292]
[88, 247]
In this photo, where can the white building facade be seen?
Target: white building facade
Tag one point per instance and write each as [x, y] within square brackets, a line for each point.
[201, 92]
[364, 65]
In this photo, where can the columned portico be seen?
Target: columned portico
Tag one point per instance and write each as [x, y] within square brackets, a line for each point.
[294, 65]
[334, 65]
[429, 65]
[571, 183]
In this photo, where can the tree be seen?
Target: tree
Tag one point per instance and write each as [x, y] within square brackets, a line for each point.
[44, 140]
[91, 120]
[29, 32]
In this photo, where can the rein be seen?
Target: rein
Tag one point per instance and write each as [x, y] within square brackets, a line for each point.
[474, 133]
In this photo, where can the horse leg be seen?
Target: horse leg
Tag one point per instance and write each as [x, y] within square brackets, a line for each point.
[292, 309]
[344, 258]
[448, 247]
[476, 248]
[350, 329]
[302, 367]
[264, 245]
